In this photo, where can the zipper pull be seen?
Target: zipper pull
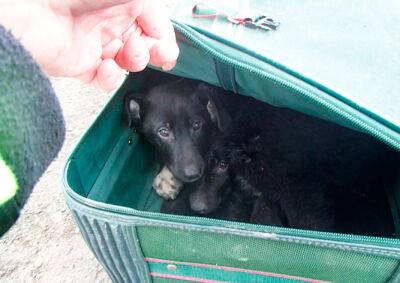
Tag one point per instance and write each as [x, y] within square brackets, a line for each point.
[265, 23]
[257, 21]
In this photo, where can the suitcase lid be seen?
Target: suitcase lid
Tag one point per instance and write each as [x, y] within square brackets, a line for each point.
[348, 50]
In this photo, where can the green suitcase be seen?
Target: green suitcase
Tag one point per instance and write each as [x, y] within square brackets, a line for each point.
[335, 60]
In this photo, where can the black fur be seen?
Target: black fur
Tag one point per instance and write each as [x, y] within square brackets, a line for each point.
[234, 207]
[312, 174]
[284, 168]
[179, 118]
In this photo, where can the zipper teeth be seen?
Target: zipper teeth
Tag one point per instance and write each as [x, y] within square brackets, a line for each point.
[222, 223]
[347, 116]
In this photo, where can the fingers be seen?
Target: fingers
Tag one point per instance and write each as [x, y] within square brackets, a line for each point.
[139, 50]
[111, 49]
[164, 54]
[109, 75]
[155, 22]
[159, 35]
[128, 44]
[150, 39]
[134, 55]
[106, 74]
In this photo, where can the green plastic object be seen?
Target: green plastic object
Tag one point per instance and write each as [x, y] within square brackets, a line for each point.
[107, 179]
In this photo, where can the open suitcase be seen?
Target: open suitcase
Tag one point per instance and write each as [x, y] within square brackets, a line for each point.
[332, 59]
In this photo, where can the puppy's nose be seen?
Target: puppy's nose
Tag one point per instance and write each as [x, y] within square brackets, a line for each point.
[192, 173]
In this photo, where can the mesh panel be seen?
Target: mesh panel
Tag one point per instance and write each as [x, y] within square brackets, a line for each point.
[212, 273]
[264, 255]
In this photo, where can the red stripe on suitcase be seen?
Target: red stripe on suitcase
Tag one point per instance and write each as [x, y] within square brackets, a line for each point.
[227, 268]
[186, 278]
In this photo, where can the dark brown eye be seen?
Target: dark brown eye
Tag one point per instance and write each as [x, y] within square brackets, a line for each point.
[196, 125]
[222, 165]
[163, 132]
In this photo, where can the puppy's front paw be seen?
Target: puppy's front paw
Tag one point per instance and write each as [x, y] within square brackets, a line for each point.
[166, 185]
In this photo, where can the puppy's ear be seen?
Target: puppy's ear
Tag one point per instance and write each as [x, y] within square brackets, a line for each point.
[133, 111]
[213, 97]
[218, 113]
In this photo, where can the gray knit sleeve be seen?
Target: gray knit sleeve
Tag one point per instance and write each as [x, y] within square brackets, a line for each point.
[31, 125]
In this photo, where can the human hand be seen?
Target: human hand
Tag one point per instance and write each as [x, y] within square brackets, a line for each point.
[95, 41]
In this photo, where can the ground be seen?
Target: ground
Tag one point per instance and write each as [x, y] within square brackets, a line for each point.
[45, 245]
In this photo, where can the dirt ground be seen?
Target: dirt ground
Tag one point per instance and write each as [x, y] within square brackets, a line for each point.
[45, 244]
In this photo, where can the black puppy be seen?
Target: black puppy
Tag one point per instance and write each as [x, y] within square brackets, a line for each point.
[209, 194]
[180, 119]
[222, 191]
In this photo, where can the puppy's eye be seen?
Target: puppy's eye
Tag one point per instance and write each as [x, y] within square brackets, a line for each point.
[222, 165]
[163, 132]
[196, 125]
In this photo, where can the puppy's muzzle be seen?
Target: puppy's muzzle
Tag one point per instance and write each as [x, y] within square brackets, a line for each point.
[191, 173]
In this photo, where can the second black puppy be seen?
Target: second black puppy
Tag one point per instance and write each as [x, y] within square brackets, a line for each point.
[209, 194]
[223, 192]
